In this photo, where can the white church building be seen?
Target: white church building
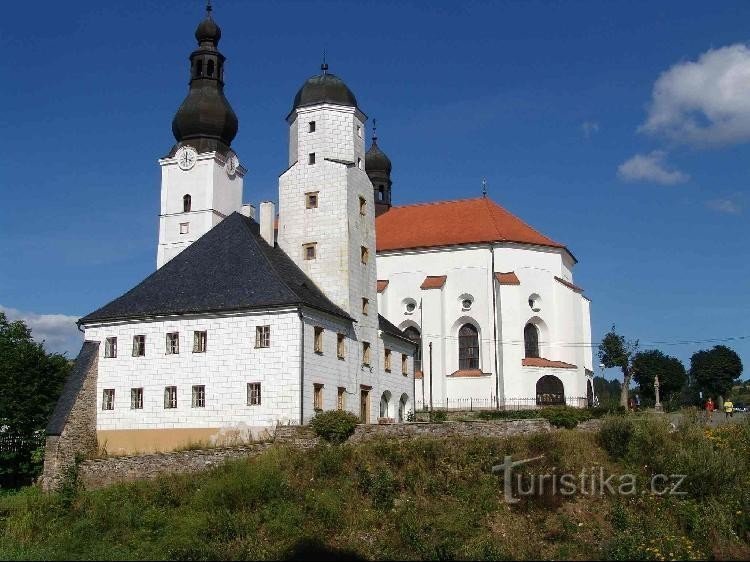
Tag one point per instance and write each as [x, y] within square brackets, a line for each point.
[338, 301]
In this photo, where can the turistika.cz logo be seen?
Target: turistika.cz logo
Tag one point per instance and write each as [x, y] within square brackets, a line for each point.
[592, 482]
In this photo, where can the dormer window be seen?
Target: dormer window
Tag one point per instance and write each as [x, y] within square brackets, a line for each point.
[187, 203]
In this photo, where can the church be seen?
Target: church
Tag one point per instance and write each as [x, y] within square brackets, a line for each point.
[336, 299]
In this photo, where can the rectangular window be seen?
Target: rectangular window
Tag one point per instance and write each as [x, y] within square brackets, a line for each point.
[199, 396]
[311, 158]
[184, 227]
[136, 399]
[366, 353]
[263, 336]
[318, 397]
[199, 341]
[108, 399]
[139, 346]
[311, 200]
[341, 399]
[173, 343]
[318, 341]
[311, 126]
[340, 346]
[359, 164]
[110, 347]
[362, 206]
[388, 360]
[309, 250]
[365, 306]
[170, 397]
[253, 394]
[359, 131]
[404, 364]
[364, 254]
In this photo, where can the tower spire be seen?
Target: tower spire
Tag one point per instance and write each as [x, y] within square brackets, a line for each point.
[374, 130]
[209, 8]
[324, 66]
[484, 187]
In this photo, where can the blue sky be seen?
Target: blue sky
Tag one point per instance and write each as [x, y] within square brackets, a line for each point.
[619, 129]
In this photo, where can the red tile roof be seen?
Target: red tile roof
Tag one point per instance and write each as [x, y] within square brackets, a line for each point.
[568, 284]
[468, 373]
[509, 278]
[382, 285]
[434, 282]
[541, 362]
[449, 223]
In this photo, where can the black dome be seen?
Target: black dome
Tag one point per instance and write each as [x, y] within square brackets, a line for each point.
[205, 113]
[207, 30]
[324, 88]
[376, 160]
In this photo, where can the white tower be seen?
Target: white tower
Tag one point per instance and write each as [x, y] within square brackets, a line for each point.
[326, 210]
[201, 179]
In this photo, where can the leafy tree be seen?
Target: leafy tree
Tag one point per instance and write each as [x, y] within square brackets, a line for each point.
[30, 383]
[714, 371]
[607, 391]
[670, 370]
[616, 351]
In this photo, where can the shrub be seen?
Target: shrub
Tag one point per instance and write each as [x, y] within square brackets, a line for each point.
[438, 416]
[615, 435]
[335, 426]
[564, 416]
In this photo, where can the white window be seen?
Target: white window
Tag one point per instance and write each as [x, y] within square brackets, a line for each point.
[340, 346]
[173, 343]
[341, 399]
[199, 396]
[388, 360]
[139, 346]
[253, 394]
[263, 336]
[309, 251]
[136, 398]
[170, 397]
[318, 340]
[317, 396]
[366, 353]
[199, 341]
[184, 227]
[110, 347]
[108, 399]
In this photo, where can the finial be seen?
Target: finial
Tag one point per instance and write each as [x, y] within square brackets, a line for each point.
[374, 130]
[324, 66]
[209, 8]
[484, 187]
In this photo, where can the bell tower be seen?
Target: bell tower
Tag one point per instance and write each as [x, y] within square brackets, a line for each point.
[378, 167]
[202, 179]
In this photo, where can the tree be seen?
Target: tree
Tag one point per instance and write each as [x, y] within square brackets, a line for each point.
[616, 351]
[714, 371]
[607, 391]
[30, 384]
[670, 370]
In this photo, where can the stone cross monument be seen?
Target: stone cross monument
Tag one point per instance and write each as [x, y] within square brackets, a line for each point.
[657, 405]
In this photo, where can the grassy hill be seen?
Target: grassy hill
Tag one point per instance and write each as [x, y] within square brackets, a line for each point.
[420, 499]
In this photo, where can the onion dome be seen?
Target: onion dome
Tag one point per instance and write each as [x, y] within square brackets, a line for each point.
[376, 160]
[205, 120]
[324, 88]
[378, 168]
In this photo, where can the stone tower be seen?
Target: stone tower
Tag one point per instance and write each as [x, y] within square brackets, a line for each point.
[201, 176]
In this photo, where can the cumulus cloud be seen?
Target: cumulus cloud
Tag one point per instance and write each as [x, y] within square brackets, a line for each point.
[726, 205]
[58, 331]
[650, 168]
[703, 102]
[589, 128]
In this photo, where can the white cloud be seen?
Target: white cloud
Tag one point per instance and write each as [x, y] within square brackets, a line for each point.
[58, 331]
[650, 168]
[726, 205]
[704, 102]
[589, 128]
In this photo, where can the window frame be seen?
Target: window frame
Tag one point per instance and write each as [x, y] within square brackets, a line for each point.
[387, 360]
[318, 339]
[263, 336]
[365, 306]
[310, 158]
[318, 396]
[366, 354]
[139, 346]
[305, 251]
[170, 397]
[362, 206]
[108, 399]
[110, 347]
[136, 398]
[364, 255]
[173, 349]
[184, 228]
[312, 199]
[254, 394]
[404, 364]
[468, 348]
[341, 346]
[341, 398]
[200, 341]
[198, 396]
[311, 127]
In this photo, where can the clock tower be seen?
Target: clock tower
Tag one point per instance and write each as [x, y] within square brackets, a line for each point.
[201, 177]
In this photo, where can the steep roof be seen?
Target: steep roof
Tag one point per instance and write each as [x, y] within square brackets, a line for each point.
[450, 223]
[387, 327]
[88, 355]
[229, 268]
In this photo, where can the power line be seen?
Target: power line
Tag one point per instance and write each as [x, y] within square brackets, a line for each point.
[564, 344]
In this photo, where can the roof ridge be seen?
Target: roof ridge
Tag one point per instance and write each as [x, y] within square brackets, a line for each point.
[428, 203]
[519, 219]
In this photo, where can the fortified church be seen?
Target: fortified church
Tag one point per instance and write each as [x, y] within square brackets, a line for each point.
[335, 300]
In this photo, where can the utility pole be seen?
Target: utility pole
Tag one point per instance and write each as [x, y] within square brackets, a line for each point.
[430, 345]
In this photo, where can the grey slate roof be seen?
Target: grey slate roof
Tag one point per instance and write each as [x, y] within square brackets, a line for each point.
[88, 354]
[388, 328]
[229, 268]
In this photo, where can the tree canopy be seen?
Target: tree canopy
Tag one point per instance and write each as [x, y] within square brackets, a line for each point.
[715, 371]
[616, 351]
[670, 370]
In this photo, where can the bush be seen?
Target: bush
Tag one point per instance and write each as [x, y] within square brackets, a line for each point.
[335, 426]
[438, 416]
[615, 435]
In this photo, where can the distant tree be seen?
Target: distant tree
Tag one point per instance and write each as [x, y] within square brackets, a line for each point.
[714, 371]
[30, 383]
[607, 391]
[616, 351]
[648, 364]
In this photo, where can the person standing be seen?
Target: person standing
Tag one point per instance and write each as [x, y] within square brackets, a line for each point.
[728, 409]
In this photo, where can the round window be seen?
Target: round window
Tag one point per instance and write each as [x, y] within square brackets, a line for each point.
[535, 302]
[466, 301]
[410, 306]
[466, 304]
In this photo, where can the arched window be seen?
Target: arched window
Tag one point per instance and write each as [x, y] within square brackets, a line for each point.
[468, 347]
[531, 340]
[210, 68]
[186, 203]
[413, 334]
[550, 391]
[199, 68]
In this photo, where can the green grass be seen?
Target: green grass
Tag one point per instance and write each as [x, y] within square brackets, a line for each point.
[386, 499]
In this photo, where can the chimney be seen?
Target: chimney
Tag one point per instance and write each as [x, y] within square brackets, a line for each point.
[248, 210]
[267, 220]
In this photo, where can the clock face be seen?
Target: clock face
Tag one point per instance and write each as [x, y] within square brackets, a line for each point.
[231, 164]
[186, 157]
